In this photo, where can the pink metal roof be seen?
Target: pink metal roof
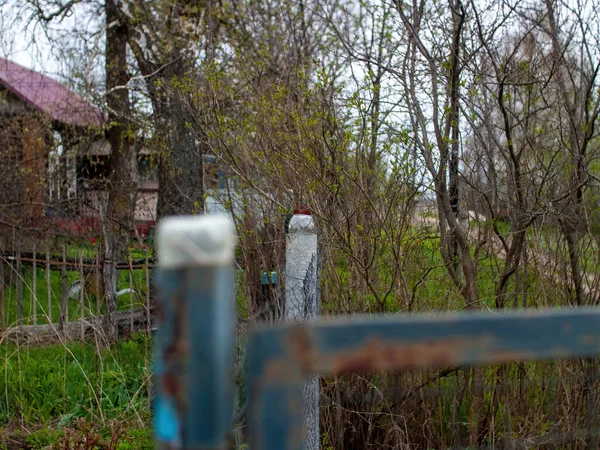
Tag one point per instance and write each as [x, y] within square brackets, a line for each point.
[48, 96]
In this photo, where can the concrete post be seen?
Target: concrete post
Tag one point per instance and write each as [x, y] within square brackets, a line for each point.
[302, 303]
[193, 355]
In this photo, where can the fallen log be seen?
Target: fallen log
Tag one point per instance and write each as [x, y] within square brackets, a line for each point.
[72, 331]
[49, 334]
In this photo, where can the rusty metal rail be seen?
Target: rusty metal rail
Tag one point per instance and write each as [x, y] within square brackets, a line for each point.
[279, 358]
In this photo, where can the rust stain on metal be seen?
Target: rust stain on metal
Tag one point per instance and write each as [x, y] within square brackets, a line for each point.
[162, 445]
[175, 352]
[587, 339]
[289, 368]
[294, 407]
[377, 355]
[181, 345]
[301, 347]
[277, 370]
[169, 384]
[502, 356]
[159, 312]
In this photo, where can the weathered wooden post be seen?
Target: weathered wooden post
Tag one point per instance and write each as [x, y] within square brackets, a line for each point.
[64, 304]
[48, 284]
[2, 300]
[19, 262]
[302, 302]
[82, 299]
[193, 356]
[34, 283]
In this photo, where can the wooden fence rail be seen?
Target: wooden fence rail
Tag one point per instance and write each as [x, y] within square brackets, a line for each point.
[46, 287]
[28, 258]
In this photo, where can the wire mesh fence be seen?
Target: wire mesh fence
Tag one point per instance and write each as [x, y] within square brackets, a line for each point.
[53, 282]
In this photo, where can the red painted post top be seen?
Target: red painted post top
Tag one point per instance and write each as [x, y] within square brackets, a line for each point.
[302, 209]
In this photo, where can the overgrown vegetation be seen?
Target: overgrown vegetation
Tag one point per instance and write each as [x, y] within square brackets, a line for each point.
[61, 393]
[447, 150]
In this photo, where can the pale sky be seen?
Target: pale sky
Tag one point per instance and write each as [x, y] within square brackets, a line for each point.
[18, 46]
[29, 46]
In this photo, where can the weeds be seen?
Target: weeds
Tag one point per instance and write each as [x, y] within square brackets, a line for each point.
[38, 385]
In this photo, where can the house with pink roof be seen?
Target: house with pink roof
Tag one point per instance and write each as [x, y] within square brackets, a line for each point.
[54, 159]
[53, 156]
[34, 110]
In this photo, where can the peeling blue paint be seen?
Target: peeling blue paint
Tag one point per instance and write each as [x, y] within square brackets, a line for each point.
[166, 422]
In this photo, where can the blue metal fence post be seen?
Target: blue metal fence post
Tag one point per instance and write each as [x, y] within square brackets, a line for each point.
[275, 394]
[194, 349]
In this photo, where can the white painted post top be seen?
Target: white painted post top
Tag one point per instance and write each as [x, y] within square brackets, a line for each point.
[205, 240]
[302, 224]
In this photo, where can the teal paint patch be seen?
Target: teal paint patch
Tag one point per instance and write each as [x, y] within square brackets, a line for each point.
[166, 422]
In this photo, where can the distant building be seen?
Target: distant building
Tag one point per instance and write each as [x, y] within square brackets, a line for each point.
[53, 155]
[54, 160]
[93, 170]
[34, 109]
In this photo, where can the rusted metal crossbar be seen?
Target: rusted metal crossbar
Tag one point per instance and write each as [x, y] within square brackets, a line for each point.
[279, 358]
[194, 351]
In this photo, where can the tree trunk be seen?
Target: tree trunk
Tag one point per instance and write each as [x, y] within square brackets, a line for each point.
[570, 232]
[180, 175]
[180, 167]
[118, 216]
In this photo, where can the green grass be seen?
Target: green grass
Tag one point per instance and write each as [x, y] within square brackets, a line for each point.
[88, 250]
[40, 385]
[127, 436]
[55, 395]
[434, 290]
